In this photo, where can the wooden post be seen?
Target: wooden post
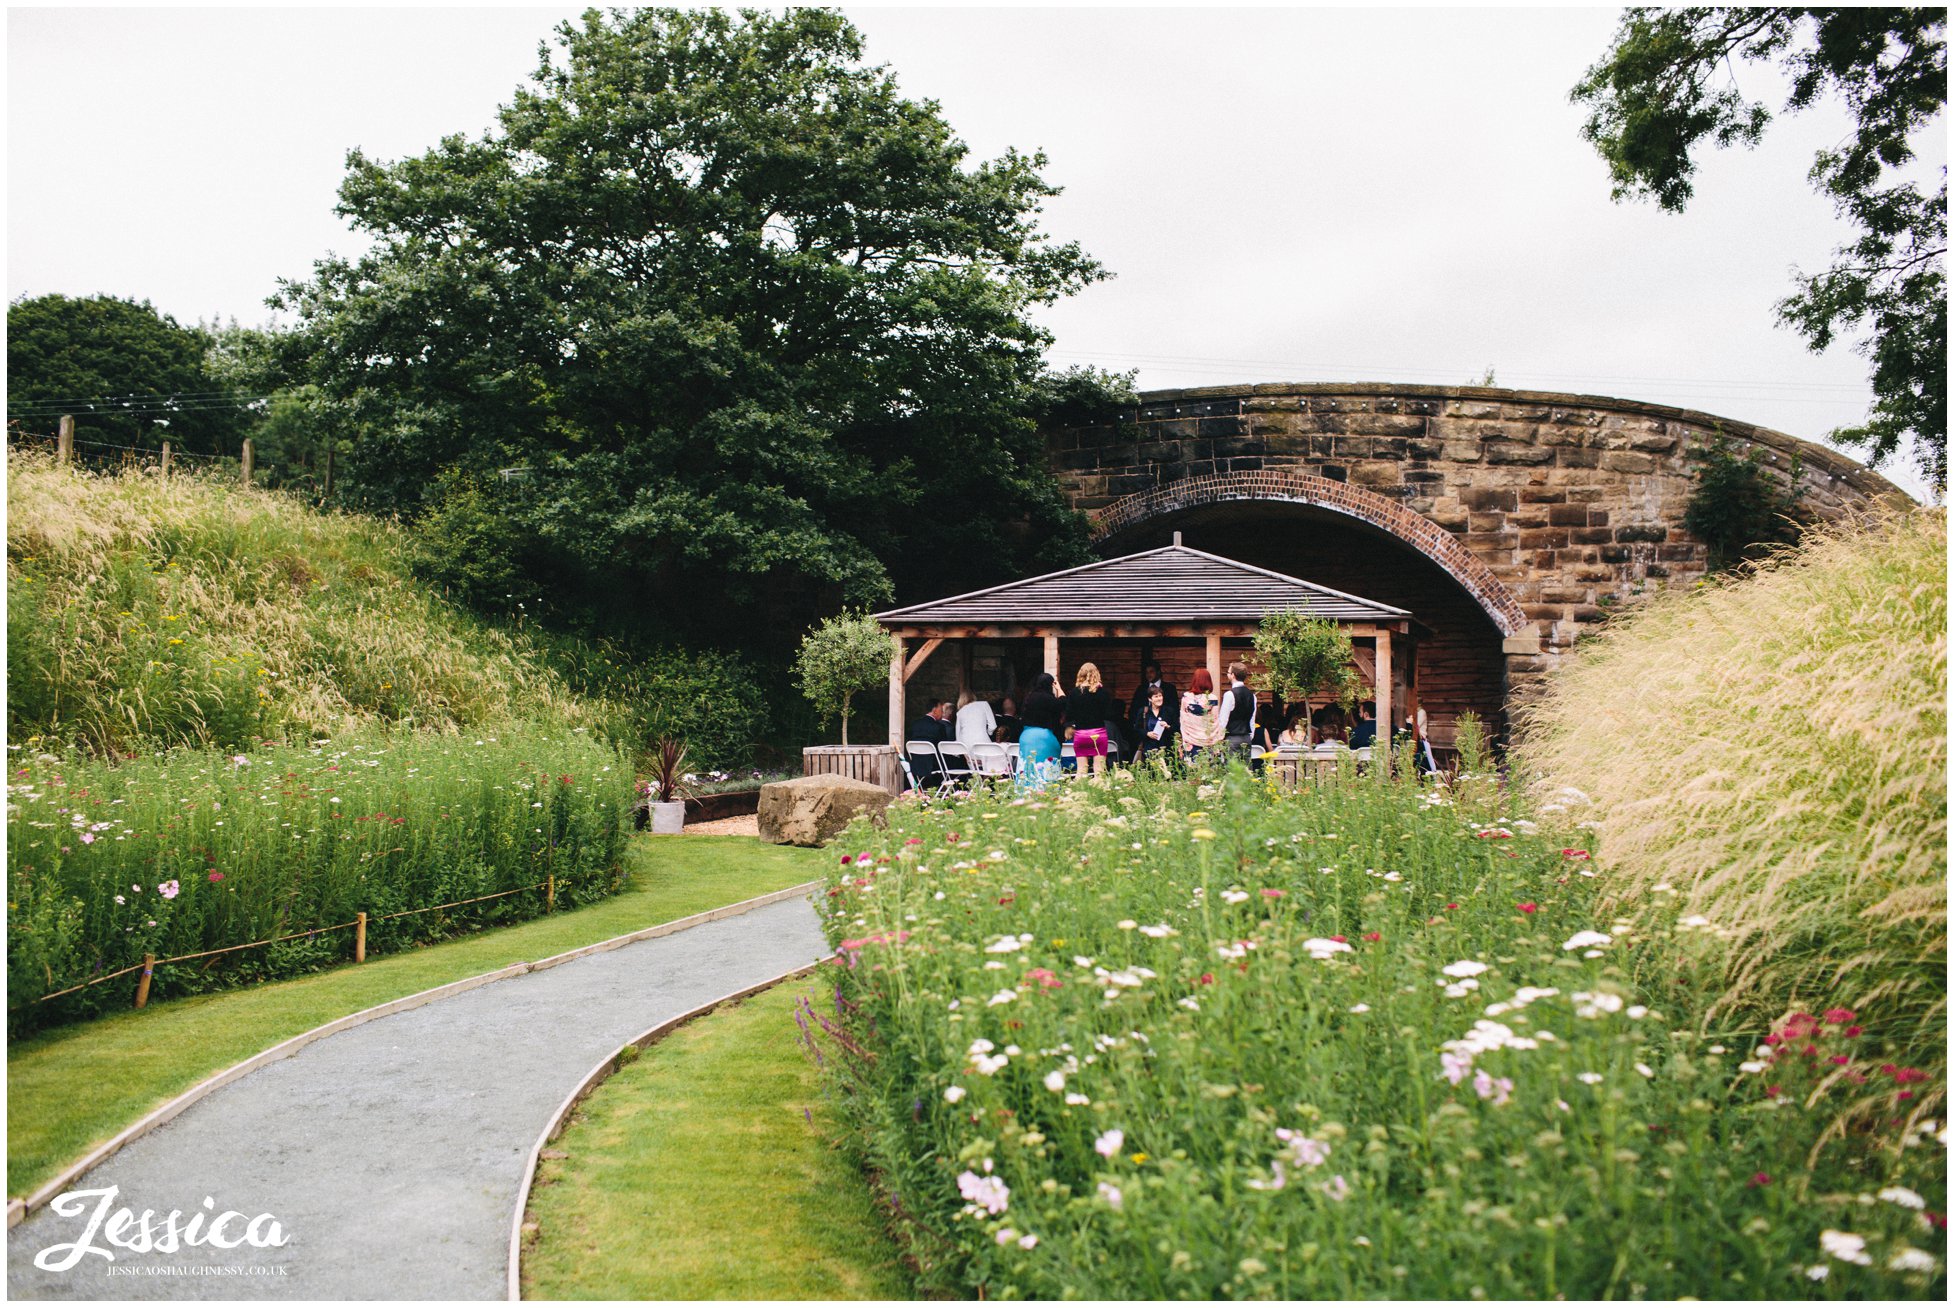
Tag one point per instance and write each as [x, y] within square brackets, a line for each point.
[1051, 656]
[166, 458]
[968, 650]
[1214, 662]
[895, 693]
[1386, 727]
[326, 492]
[64, 443]
[247, 460]
[549, 893]
[142, 986]
[359, 940]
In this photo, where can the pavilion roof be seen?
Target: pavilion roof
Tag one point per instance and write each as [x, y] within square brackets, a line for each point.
[1174, 583]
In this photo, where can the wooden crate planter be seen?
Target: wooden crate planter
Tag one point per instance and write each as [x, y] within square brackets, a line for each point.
[877, 764]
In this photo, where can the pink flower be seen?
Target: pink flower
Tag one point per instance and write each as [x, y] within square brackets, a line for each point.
[1110, 1143]
[1529, 907]
[167, 889]
[1273, 894]
[1486, 1086]
[1374, 935]
[216, 876]
[1336, 1188]
[1454, 1066]
[986, 1192]
[1575, 853]
[1839, 1016]
[88, 837]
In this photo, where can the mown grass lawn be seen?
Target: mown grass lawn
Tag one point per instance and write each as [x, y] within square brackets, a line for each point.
[72, 1088]
[696, 1173]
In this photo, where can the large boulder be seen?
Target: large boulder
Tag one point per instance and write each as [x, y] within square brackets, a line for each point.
[813, 810]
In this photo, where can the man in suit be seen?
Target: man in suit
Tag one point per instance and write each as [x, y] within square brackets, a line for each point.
[935, 726]
[1150, 678]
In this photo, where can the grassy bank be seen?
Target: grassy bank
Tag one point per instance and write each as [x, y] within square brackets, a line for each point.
[70, 1089]
[708, 1170]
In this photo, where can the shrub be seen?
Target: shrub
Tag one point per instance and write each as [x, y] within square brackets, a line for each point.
[189, 851]
[1776, 749]
[843, 655]
[1739, 510]
[1175, 1040]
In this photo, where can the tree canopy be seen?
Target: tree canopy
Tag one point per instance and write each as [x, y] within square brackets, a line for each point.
[1668, 84]
[845, 654]
[127, 374]
[712, 311]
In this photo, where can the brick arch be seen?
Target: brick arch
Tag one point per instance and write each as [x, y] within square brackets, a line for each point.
[1420, 533]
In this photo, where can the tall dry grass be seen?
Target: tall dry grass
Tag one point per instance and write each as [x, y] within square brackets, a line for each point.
[1775, 748]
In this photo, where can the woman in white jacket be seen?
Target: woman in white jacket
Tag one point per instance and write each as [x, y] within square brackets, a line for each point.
[976, 723]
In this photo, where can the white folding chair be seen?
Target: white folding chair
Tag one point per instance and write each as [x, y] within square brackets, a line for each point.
[956, 761]
[991, 761]
[923, 757]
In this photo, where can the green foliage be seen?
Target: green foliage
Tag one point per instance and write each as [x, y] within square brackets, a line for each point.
[190, 851]
[1362, 1041]
[1668, 84]
[756, 324]
[844, 654]
[1305, 658]
[469, 543]
[1738, 509]
[126, 373]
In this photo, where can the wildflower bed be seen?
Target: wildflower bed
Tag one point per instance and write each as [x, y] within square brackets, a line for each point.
[189, 851]
[1185, 1039]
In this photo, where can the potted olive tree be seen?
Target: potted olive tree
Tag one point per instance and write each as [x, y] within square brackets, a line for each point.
[847, 653]
[1307, 659]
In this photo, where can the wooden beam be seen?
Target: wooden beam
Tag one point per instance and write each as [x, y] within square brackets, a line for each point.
[920, 657]
[1385, 726]
[1051, 655]
[896, 724]
[1214, 659]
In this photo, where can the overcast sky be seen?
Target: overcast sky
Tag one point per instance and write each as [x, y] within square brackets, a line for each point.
[1283, 194]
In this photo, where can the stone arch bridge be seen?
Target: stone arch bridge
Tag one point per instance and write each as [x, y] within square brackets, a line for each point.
[1509, 521]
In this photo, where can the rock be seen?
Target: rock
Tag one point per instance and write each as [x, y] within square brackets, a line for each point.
[812, 810]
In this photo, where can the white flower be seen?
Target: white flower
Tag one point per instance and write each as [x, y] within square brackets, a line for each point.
[1191, 1004]
[1589, 1078]
[1111, 1194]
[1693, 920]
[1463, 968]
[1027, 1242]
[1583, 939]
[987, 1065]
[1055, 1081]
[1905, 1198]
[1818, 1272]
[1235, 896]
[1637, 1012]
[1460, 989]
[981, 1046]
[1158, 932]
[1753, 1068]
[1527, 994]
[1644, 1069]
[953, 1094]
[1109, 1144]
[1003, 997]
[1076, 1099]
[1321, 949]
[986, 1192]
[1005, 946]
[1909, 1259]
[1126, 924]
[1360, 1008]
[1845, 1246]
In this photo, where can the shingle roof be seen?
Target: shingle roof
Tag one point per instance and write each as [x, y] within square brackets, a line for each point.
[1172, 584]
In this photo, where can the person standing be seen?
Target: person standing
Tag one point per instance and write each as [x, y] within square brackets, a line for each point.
[976, 722]
[1201, 725]
[1152, 727]
[1238, 711]
[1150, 681]
[1091, 710]
[1043, 716]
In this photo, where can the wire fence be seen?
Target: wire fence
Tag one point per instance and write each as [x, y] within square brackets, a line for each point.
[358, 925]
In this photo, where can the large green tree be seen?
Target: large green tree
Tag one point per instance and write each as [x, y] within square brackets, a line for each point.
[1669, 83]
[127, 374]
[725, 318]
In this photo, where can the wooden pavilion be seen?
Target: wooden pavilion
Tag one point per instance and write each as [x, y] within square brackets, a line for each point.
[1173, 597]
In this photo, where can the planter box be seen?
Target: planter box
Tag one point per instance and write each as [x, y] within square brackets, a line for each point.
[878, 764]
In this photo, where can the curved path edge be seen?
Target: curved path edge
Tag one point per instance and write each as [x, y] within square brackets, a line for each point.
[610, 1064]
[17, 1209]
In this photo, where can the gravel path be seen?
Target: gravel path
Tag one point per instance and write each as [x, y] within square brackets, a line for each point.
[390, 1154]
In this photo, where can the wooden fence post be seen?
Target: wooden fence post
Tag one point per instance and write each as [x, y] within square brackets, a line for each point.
[359, 940]
[326, 492]
[166, 458]
[549, 894]
[64, 442]
[247, 460]
[142, 986]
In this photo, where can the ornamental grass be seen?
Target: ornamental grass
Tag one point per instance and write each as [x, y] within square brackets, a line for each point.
[1168, 1039]
[1774, 748]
